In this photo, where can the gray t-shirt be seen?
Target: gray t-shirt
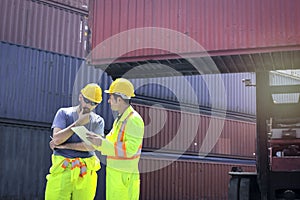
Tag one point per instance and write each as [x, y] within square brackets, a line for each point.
[64, 118]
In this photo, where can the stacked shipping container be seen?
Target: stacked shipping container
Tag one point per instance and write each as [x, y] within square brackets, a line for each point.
[25, 159]
[221, 27]
[179, 131]
[34, 84]
[44, 25]
[53, 32]
[194, 91]
[49, 79]
[186, 179]
[73, 4]
[29, 89]
[26, 162]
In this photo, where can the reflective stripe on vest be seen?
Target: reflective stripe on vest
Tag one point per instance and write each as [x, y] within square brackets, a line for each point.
[65, 163]
[75, 163]
[82, 169]
[120, 146]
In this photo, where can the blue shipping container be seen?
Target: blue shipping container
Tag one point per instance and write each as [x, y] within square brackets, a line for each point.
[25, 156]
[35, 83]
[194, 90]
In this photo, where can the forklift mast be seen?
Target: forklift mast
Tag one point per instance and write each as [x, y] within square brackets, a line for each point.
[278, 145]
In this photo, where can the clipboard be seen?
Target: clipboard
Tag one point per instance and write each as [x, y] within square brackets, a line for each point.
[81, 132]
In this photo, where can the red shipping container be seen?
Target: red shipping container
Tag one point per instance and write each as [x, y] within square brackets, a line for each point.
[186, 179]
[44, 25]
[177, 131]
[222, 27]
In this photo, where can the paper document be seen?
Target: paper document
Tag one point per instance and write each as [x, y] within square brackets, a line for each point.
[81, 131]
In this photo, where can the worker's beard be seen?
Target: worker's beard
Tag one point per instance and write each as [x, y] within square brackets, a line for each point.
[85, 109]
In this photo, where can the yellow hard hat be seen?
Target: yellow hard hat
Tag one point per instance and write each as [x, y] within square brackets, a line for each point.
[122, 87]
[92, 92]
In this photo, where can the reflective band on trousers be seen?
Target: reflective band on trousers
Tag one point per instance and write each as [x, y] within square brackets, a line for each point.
[120, 146]
[75, 163]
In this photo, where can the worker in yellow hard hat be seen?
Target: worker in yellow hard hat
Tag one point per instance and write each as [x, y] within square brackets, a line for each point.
[122, 145]
[74, 163]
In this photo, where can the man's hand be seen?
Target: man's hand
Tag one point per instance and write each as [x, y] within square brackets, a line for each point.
[94, 139]
[52, 145]
[83, 118]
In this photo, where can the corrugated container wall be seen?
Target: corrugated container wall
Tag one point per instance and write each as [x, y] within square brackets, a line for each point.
[186, 179]
[40, 82]
[25, 156]
[193, 90]
[78, 4]
[42, 25]
[283, 78]
[220, 26]
[26, 159]
[182, 132]
[288, 77]
[240, 99]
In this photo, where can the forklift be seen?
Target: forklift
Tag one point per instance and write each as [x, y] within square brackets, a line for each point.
[277, 173]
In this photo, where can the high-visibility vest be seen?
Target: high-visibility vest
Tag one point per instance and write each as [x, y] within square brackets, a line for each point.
[128, 130]
[120, 146]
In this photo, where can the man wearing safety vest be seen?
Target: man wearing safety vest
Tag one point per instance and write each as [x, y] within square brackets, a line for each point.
[74, 163]
[122, 145]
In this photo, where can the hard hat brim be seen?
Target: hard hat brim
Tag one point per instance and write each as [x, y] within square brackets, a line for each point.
[117, 93]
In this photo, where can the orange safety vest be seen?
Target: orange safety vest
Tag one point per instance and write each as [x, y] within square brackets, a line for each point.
[120, 147]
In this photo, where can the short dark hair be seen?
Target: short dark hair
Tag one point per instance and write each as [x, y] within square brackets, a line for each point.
[127, 101]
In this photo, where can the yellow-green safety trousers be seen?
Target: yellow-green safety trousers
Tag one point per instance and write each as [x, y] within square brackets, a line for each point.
[122, 147]
[67, 179]
[122, 185]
